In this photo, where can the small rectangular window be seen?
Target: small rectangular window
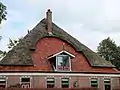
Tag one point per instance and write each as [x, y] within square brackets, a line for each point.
[63, 62]
[94, 82]
[50, 82]
[25, 82]
[107, 84]
[2, 82]
[65, 82]
[107, 81]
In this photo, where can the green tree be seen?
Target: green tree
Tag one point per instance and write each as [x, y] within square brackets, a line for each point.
[110, 51]
[3, 12]
[117, 57]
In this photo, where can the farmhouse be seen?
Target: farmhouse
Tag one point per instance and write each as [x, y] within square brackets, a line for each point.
[48, 57]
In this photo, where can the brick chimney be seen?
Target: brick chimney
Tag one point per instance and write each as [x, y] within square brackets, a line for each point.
[49, 21]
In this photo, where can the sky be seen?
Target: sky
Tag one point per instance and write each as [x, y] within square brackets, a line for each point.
[89, 21]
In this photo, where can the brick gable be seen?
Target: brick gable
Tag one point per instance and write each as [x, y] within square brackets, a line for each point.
[49, 46]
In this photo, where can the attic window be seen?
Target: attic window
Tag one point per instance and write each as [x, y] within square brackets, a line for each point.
[25, 82]
[61, 61]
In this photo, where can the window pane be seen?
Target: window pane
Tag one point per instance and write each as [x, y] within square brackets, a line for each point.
[65, 86]
[94, 85]
[50, 82]
[50, 86]
[107, 87]
[107, 84]
[94, 82]
[60, 60]
[25, 80]
[66, 60]
[63, 62]
[2, 80]
[107, 81]
[64, 79]
[65, 82]
[2, 86]
[50, 79]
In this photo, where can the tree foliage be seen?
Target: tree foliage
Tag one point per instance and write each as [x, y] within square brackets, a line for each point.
[109, 51]
[2, 12]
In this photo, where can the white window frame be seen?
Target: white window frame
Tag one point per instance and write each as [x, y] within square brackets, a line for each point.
[55, 55]
[25, 77]
[69, 60]
[104, 82]
[96, 80]
[60, 53]
[4, 77]
[64, 77]
[50, 78]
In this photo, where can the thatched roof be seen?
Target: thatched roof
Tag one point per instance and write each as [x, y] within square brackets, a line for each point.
[20, 54]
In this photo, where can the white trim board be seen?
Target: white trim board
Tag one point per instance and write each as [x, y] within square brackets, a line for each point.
[59, 74]
[60, 53]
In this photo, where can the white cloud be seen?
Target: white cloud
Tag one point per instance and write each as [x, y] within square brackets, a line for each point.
[90, 21]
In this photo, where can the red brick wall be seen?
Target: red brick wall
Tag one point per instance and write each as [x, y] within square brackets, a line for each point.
[13, 80]
[39, 82]
[115, 82]
[83, 81]
[51, 89]
[49, 46]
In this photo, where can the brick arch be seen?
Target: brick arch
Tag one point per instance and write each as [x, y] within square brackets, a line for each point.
[64, 41]
[51, 45]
